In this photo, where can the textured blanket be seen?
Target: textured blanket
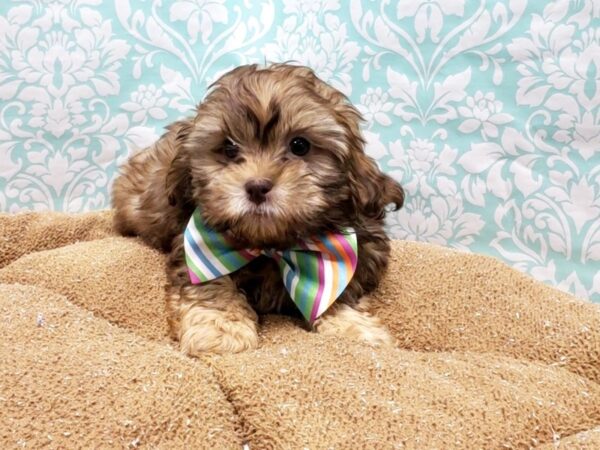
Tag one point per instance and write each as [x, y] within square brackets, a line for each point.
[486, 357]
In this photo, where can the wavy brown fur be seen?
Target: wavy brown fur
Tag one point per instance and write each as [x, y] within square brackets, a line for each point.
[258, 112]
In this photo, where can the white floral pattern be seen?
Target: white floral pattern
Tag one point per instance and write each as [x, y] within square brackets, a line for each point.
[429, 15]
[146, 101]
[375, 106]
[199, 16]
[487, 112]
[325, 47]
[483, 112]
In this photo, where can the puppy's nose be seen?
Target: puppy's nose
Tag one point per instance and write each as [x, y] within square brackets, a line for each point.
[258, 189]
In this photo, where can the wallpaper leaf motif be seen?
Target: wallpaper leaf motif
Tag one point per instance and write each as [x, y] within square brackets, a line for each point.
[487, 112]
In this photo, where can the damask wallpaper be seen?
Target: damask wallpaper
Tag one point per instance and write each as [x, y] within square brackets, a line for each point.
[487, 111]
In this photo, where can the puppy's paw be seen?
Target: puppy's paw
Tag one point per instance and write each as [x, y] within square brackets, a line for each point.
[209, 331]
[357, 325]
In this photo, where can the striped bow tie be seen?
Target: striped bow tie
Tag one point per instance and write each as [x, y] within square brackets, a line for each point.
[315, 272]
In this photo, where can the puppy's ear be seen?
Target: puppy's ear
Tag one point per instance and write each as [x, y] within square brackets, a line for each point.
[371, 189]
[177, 181]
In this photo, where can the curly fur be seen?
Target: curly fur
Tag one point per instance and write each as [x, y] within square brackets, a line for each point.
[335, 185]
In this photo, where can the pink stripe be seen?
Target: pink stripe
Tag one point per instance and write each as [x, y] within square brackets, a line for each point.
[302, 245]
[246, 254]
[315, 309]
[348, 249]
[194, 278]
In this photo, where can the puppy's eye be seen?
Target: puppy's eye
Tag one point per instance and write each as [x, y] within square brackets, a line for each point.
[230, 149]
[299, 146]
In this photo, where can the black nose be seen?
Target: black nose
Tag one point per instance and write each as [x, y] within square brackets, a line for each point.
[258, 189]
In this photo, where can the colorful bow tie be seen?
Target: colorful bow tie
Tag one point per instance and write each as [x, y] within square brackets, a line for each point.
[315, 272]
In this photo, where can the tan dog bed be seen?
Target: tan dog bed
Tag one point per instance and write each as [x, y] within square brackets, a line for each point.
[487, 357]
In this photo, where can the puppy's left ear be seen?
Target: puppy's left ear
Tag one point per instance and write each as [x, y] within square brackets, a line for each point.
[371, 189]
[177, 181]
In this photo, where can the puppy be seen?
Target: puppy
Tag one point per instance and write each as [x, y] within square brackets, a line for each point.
[273, 156]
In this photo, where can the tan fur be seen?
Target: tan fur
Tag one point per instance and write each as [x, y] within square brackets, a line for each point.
[218, 320]
[353, 323]
[335, 185]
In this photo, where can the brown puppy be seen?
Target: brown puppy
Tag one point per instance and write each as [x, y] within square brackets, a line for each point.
[273, 155]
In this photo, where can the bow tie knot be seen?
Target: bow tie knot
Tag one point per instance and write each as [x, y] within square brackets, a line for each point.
[315, 272]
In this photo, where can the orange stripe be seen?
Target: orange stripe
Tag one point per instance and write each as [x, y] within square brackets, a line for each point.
[334, 269]
[334, 240]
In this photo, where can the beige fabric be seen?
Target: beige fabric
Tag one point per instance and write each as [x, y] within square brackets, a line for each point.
[438, 299]
[118, 279]
[72, 380]
[24, 233]
[588, 440]
[488, 358]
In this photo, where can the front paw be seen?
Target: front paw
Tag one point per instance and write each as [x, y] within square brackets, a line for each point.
[345, 321]
[209, 331]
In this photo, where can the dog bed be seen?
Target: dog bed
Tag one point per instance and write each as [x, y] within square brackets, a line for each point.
[486, 357]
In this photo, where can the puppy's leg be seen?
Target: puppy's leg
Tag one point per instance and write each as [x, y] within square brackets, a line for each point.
[214, 317]
[354, 323]
[211, 318]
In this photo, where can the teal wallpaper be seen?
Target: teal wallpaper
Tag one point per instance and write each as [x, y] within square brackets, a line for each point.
[487, 111]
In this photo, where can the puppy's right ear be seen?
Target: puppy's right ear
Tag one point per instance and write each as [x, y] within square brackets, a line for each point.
[177, 182]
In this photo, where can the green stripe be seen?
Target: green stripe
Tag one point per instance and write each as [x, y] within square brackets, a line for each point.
[219, 247]
[190, 263]
[231, 258]
[306, 292]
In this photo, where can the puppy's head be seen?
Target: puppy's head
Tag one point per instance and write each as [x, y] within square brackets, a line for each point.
[276, 154]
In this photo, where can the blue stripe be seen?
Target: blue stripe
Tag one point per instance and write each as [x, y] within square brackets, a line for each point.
[197, 252]
[228, 256]
[290, 276]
